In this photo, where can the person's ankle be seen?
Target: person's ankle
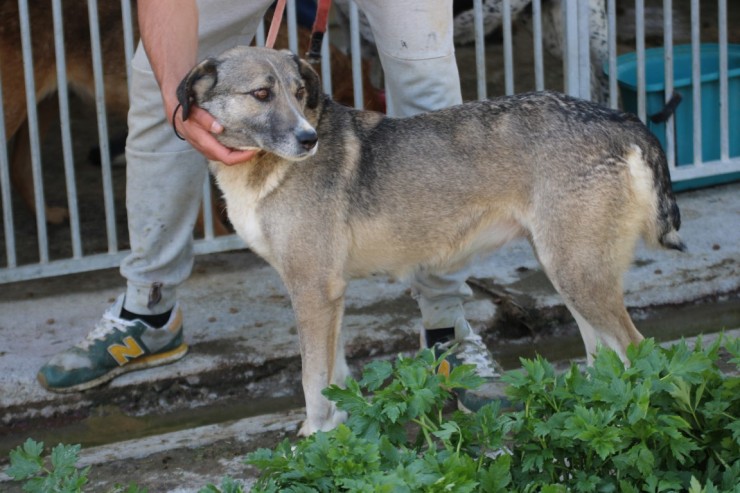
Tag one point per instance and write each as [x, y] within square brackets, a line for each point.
[155, 321]
[438, 336]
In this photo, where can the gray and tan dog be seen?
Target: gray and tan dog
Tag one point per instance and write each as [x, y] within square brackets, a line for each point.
[338, 193]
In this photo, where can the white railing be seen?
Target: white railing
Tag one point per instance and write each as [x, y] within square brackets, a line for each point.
[578, 65]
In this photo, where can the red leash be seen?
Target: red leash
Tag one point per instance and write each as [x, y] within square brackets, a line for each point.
[317, 34]
[277, 18]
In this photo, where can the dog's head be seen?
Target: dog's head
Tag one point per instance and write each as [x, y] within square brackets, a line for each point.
[260, 96]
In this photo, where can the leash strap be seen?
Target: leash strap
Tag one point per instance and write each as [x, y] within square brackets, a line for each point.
[277, 18]
[317, 34]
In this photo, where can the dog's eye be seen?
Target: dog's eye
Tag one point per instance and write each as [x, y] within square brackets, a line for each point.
[300, 93]
[261, 94]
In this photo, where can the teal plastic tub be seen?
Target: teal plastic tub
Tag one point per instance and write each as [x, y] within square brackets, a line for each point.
[684, 112]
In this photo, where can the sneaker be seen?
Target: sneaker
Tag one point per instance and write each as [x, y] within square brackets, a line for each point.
[114, 347]
[467, 348]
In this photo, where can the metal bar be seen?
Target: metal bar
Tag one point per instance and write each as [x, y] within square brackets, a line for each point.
[696, 78]
[5, 192]
[326, 64]
[64, 119]
[480, 50]
[220, 244]
[260, 35]
[640, 42]
[670, 125]
[539, 65]
[724, 116]
[612, 42]
[33, 131]
[584, 49]
[292, 27]
[356, 56]
[128, 38]
[62, 267]
[206, 207]
[712, 168]
[508, 48]
[570, 53]
[108, 199]
[107, 260]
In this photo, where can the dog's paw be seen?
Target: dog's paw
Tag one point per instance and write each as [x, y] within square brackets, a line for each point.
[56, 215]
[309, 427]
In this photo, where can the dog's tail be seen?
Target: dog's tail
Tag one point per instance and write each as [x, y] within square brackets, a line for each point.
[668, 216]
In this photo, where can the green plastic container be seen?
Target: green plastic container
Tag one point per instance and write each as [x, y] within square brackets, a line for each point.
[684, 113]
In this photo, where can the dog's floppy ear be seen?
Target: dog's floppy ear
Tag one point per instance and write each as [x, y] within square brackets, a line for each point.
[313, 83]
[200, 79]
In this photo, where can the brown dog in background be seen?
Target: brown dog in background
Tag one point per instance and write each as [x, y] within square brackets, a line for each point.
[80, 79]
[78, 54]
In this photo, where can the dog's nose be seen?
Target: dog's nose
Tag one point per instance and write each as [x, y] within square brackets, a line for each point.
[307, 138]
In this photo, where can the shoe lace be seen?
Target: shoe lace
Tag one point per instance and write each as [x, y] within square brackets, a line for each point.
[105, 326]
[472, 351]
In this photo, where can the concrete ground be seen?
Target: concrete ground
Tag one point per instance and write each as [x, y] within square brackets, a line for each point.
[239, 388]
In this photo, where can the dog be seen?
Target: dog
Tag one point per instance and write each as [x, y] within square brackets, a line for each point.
[78, 57]
[336, 193]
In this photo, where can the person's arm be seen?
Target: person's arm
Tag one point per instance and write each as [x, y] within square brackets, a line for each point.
[169, 32]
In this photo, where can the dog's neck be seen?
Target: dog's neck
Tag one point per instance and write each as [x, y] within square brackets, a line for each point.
[313, 115]
[259, 173]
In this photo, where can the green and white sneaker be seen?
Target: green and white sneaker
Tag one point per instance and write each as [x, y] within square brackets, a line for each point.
[114, 347]
[468, 348]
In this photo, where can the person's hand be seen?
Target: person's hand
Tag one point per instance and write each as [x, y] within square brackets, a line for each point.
[199, 130]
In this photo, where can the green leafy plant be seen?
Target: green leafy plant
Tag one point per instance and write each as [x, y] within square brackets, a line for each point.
[57, 473]
[666, 422]
[667, 418]
[228, 485]
[396, 440]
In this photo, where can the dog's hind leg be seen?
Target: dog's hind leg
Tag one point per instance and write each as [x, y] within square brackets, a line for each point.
[318, 308]
[593, 295]
[588, 275]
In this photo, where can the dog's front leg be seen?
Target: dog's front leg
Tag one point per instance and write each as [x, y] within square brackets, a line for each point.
[318, 308]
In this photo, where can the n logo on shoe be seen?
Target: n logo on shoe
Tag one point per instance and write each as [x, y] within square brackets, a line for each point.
[125, 352]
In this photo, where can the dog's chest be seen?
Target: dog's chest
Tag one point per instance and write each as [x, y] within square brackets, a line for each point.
[243, 205]
[242, 211]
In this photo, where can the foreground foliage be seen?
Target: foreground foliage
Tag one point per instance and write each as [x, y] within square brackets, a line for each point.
[57, 473]
[667, 422]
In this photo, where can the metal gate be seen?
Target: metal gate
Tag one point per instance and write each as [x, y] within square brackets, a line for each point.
[631, 31]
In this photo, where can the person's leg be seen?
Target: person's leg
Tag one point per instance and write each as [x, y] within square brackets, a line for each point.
[163, 188]
[165, 174]
[163, 192]
[414, 39]
[164, 183]
[415, 42]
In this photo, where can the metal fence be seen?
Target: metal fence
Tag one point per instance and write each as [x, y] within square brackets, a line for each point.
[35, 249]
